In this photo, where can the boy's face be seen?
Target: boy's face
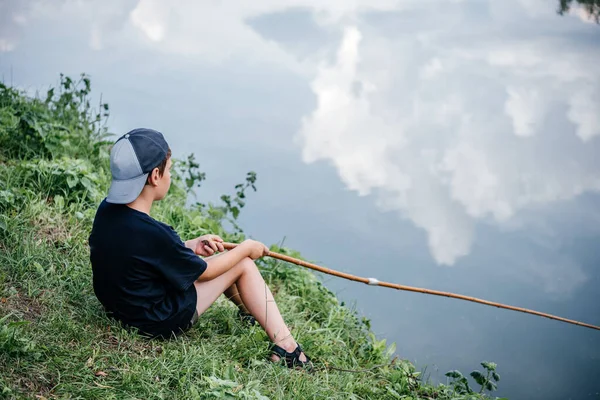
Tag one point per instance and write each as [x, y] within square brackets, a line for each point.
[164, 182]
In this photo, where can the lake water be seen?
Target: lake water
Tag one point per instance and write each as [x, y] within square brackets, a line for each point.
[452, 145]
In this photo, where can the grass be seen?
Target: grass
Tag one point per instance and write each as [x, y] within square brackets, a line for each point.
[55, 340]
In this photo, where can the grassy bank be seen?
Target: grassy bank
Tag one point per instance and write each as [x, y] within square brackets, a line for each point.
[55, 341]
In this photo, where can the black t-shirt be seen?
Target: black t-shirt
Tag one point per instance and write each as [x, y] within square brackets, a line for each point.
[142, 272]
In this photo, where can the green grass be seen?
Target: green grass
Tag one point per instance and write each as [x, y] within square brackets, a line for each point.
[55, 340]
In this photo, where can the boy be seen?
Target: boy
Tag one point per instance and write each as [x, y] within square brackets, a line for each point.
[146, 277]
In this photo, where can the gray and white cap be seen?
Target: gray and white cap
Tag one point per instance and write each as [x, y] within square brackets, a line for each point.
[133, 156]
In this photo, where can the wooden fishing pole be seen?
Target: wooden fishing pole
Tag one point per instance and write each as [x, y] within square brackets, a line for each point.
[376, 282]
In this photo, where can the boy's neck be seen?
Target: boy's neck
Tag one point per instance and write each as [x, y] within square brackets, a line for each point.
[143, 203]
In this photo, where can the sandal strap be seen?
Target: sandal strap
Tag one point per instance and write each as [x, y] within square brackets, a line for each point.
[293, 358]
[281, 352]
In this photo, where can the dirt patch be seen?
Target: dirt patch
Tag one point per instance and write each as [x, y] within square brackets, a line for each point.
[140, 346]
[51, 228]
[24, 307]
[40, 384]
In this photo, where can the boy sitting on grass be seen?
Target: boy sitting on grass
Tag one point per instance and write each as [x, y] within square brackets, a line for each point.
[148, 278]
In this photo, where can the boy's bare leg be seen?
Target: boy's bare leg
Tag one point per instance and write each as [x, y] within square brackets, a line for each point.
[256, 297]
[233, 294]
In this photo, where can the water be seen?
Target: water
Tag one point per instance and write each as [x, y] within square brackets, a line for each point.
[447, 145]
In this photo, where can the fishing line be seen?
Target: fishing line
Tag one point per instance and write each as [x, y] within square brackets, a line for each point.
[377, 282]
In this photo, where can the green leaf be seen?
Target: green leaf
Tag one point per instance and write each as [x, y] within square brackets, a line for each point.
[59, 201]
[464, 381]
[496, 376]
[490, 366]
[454, 374]
[491, 386]
[87, 184]
[395, 395]
[49, 95]
[72, 181]
[391, 350]
[479, 378]
[38, 267]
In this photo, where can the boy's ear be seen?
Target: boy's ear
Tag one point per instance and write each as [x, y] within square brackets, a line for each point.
[153, 177]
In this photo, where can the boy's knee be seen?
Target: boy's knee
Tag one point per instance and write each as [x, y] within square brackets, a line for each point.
[248, 264]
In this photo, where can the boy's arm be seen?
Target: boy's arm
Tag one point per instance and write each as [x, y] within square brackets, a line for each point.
[217, 266]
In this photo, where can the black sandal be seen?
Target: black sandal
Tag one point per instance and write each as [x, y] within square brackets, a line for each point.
[291, 359]
[247, 318]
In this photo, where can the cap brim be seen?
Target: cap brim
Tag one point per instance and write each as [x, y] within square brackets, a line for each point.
[126, 191]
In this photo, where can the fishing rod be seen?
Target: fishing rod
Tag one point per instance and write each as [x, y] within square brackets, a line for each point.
[376, 282]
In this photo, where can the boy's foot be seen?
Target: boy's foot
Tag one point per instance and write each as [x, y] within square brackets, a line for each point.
[293, 358]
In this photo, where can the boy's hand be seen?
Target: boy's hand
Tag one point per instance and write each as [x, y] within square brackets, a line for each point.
[255, 249]
[207, 245]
